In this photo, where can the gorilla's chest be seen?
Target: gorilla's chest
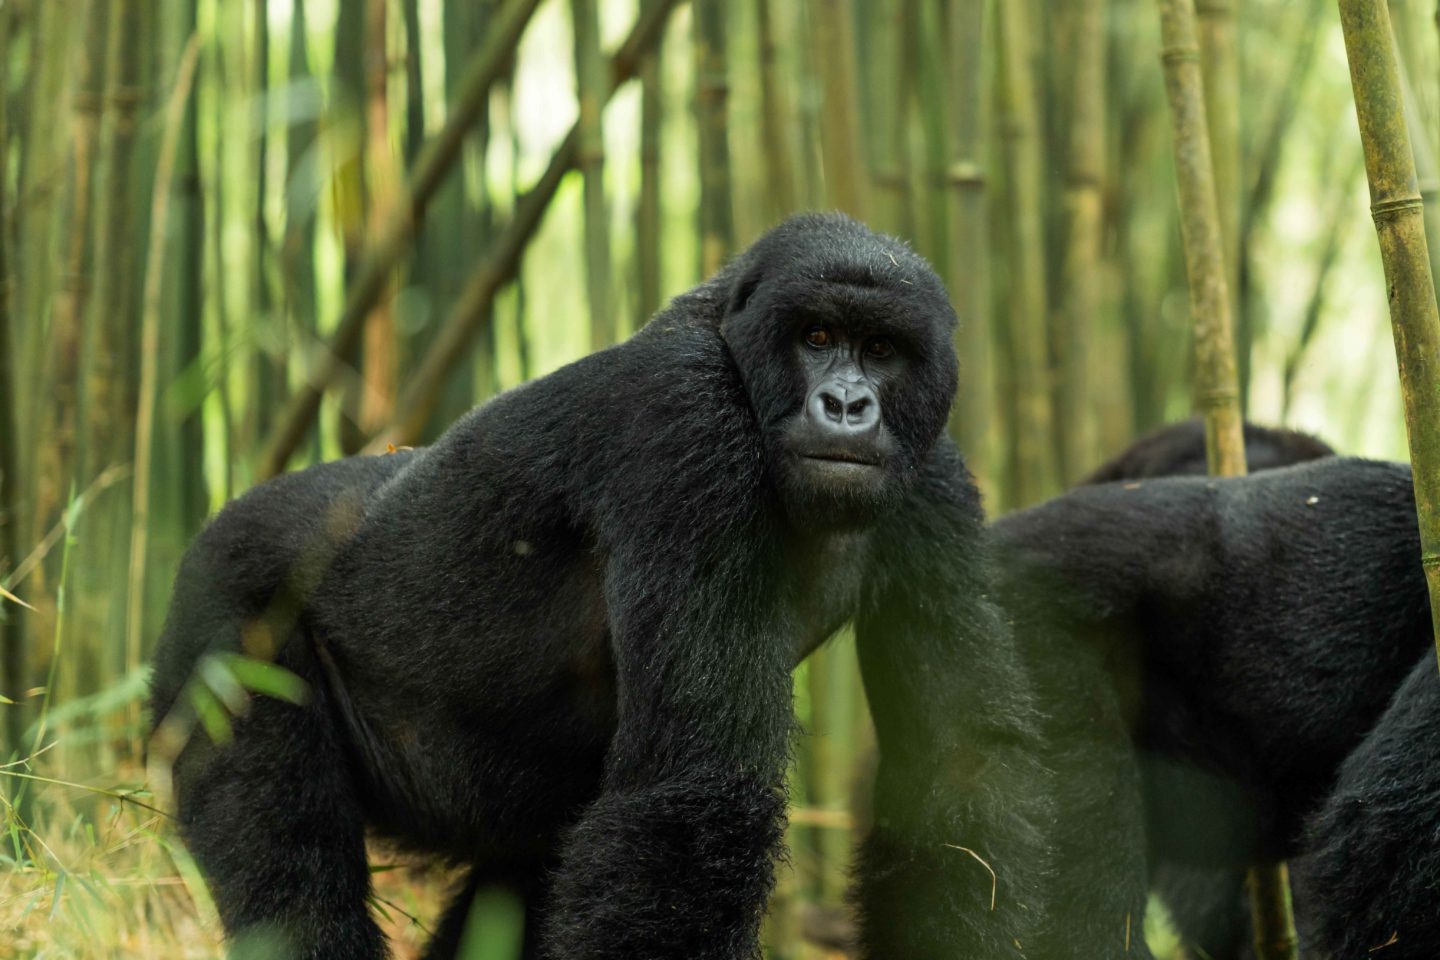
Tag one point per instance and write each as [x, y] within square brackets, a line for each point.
[829, 577]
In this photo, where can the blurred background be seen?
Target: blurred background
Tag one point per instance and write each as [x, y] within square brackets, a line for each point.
[241, 236]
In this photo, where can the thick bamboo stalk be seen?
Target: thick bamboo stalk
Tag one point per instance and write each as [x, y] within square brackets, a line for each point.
[1080, 269]
[503, 257]
[591, 89]
[776, 118]
[889, 71]
[1396, 208]
[648, 209]
[971, 417]
[1032, 472]
[392, 241]
[712, 93]
[832, 27]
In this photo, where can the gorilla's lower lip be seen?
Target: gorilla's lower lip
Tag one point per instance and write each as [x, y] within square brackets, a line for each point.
[853, 459]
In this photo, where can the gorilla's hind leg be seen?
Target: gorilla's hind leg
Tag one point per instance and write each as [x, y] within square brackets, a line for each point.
[273, 820]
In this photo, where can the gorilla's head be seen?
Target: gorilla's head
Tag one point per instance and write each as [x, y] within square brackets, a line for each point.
[843, 338]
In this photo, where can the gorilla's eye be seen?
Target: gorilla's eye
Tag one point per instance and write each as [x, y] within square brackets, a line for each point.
[817, 336]
[879, 348]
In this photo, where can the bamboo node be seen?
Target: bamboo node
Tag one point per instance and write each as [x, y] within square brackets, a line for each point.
[1170, 55]
[1216, 398]
[1395, 209]
[965, 173]
[1430, 561]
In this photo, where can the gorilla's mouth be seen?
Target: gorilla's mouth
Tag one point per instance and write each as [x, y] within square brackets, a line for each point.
[852, 457]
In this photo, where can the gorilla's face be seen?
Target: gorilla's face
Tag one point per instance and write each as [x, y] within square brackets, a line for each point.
[850, 369]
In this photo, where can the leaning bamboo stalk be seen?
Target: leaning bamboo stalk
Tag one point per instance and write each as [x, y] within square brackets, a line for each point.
[1220, 69]
[590, 158]
[1217, 392]
[1396, 207]
[1084, 210]
[392, 240]
[712, 92]
[503, 257]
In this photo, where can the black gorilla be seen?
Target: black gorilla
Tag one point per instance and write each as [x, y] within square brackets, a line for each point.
[1178, 449]
[557, 644]
[1207, 904]
[1253, 634]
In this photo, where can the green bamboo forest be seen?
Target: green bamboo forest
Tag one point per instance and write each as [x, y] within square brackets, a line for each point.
[242, 237]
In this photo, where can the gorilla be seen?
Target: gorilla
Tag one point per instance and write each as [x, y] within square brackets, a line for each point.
[556, 646]
[1178, 449]
[1208, 905]
[1266, 643]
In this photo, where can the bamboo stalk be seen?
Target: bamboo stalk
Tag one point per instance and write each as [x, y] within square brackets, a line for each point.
[414, 88]
[1396, 208]
[56, 432]
[890, 58]
[12, 625]
[590, 158]
[270, 385]
[970, 419]
[648, 210]
[1032, 473]
[1080, 270]
[712, 91]
[378, 360]
[149, 357]
[392, 240]
[1220, 69]
[776, 119]
[832, 26]
[1216, 391]
[1216, 380]
[503, 257]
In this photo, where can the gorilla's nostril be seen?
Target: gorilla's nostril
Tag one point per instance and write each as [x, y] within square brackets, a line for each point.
[832, 406]
[857, 409]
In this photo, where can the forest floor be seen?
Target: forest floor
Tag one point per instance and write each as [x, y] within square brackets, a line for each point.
[95, 870]
[86, 874]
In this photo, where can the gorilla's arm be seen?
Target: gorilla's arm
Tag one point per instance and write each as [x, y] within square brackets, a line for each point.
[959, 859]
[674, 859]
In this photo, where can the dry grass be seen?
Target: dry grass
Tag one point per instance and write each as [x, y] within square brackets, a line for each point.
[85, 874]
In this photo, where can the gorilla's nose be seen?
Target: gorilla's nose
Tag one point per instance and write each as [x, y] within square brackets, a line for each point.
[845, 409]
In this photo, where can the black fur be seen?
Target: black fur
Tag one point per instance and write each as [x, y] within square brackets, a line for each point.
[557, 646]
[1178, 449]
[1256, 629]
[1208, 905]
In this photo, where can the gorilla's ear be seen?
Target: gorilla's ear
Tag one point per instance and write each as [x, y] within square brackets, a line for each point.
[744, 289]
